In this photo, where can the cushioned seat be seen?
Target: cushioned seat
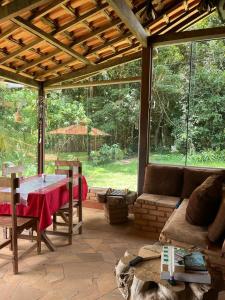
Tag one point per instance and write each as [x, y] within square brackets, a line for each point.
[159, 200]
[178, 229]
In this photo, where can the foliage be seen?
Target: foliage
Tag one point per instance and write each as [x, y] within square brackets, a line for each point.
[183, 114]
[106, 154]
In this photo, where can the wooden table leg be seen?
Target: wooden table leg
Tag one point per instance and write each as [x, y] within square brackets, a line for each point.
[47, 241]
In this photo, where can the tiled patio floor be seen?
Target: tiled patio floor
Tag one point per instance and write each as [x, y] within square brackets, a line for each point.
[83, 271]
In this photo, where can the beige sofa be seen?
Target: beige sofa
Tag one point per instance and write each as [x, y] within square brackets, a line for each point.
[173, 185]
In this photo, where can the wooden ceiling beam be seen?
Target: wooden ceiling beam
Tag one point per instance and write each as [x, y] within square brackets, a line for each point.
[96, 32]
[18, 78]
[50, 39]
[47, 9]
[93, 69]
[7, 33]
[187, 36]
[81, 18]
[81, 40]
[17, 7]
[106, 44]
[55, 69]
[182, 18]
[94, 83]
[130, 20]
[41, 59]
[19, 51]
[192, 20]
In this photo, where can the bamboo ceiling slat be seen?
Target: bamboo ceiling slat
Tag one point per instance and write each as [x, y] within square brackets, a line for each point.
[46, 39]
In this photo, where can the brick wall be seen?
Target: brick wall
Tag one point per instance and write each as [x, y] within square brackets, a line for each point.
[92, 201]
[150, 219]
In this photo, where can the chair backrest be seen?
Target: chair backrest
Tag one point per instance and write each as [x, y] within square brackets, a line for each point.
[7, 170]
[8, 194]
[61, 164]
[64, 166]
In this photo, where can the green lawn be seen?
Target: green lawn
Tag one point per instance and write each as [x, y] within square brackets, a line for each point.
[123, 174]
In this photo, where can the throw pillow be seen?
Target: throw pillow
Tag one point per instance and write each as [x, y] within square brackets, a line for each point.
[204, 202]
[217, 228]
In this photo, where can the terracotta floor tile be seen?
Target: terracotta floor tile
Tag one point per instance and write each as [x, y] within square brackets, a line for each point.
[82, 271]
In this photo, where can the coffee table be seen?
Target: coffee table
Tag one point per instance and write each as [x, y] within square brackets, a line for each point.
[143, 281]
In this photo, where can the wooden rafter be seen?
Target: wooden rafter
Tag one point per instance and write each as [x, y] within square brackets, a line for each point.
[48, 9]
[172, 24]
[50, 39]
[41, 59]
[18, 78]
[79, 19]
[93, 69]
[7, 33]
[95, 83]
[115, 54]
[17, 7]
[82, 18]
[81, 40]
[187, 36]
[20, 51]
[193, 19]
[130, 20]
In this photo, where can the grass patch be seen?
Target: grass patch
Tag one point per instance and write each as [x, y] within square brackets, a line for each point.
[123, 174]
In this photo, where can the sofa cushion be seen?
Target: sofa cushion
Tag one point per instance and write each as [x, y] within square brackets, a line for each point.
[158, 200]
[163, 180]
[204, 202]
[193, 177]
[217, 228]
[178, 229]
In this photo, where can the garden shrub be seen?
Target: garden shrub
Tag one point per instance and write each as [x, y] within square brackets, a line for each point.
[107, 154]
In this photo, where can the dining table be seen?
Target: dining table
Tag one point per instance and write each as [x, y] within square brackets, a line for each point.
[41, 197]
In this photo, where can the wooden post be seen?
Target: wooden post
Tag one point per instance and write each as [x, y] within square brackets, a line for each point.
[144, 118]
[41, 128]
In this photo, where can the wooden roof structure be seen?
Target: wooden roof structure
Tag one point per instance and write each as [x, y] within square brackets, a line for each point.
[66, 41]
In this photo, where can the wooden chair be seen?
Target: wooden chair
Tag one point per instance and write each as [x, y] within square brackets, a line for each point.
[8, 170]
[16, 224]
[66, 212]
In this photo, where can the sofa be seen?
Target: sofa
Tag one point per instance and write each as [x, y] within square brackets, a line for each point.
[160, 210]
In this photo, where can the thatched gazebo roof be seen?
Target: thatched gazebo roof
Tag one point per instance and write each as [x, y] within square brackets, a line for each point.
[79, 129]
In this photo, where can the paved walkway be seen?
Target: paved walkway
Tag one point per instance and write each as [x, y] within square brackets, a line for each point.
[83, 271]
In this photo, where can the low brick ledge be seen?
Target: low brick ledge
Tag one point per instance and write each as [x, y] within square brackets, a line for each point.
[92, 201]
[151, 212]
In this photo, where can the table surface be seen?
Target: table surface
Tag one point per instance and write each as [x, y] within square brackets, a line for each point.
[37, 184]
[42, 199]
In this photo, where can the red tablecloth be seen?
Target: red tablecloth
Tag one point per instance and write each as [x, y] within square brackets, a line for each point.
[43, 204]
